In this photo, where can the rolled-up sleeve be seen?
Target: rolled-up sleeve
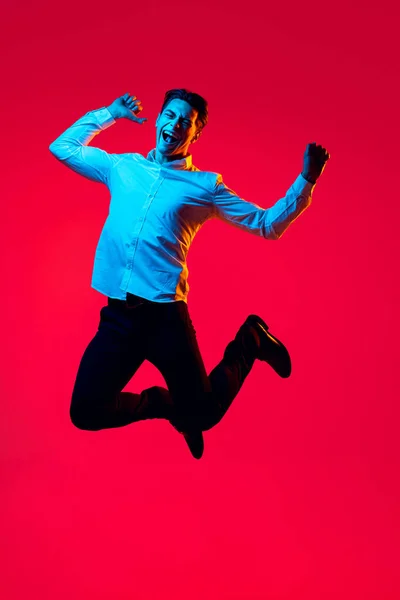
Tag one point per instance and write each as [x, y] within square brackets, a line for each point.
[72, 148]
[269, 223]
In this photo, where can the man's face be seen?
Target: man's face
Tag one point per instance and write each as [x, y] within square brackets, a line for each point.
[176, 128]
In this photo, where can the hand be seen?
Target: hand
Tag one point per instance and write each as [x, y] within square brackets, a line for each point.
[315, 159]
[125, 107]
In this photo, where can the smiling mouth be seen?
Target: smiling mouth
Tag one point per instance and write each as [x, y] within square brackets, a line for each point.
[169, 139]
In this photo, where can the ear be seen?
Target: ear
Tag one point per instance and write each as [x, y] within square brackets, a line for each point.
[157, 120]
[196, 137]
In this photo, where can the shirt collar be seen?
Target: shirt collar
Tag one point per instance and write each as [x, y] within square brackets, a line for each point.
[180, 164]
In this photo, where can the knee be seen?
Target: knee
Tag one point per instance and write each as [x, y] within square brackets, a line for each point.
[81, 419]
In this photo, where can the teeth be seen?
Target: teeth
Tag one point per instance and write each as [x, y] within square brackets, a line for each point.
[171, 136]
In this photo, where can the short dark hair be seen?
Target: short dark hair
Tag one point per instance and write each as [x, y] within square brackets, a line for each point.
[195, 100]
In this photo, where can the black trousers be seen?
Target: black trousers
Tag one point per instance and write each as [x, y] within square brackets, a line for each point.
[135, 330]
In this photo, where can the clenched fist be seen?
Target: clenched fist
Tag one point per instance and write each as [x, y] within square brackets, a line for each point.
[125, 107]
[315, 159]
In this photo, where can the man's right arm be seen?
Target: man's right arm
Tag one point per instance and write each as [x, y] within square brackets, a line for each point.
[72, 146]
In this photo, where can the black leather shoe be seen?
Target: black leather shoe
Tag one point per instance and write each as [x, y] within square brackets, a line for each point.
[271, 350]
[194, 440]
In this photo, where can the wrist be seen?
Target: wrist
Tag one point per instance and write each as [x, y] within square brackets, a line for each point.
[308, 178]
[112, 112]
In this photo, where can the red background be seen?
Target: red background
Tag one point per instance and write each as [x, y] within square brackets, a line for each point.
[297, 494]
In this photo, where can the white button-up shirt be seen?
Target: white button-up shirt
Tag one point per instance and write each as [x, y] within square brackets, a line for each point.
[156, 210]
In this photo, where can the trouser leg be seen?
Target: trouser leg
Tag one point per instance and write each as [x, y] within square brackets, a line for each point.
[229, 375]
[108, 363]
[199, 401]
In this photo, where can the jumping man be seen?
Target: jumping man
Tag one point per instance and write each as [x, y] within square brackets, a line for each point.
[157, 205]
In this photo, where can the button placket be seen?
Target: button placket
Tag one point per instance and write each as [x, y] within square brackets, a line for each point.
[136, 233]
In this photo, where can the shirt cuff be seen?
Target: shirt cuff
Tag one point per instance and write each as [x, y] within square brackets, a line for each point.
[302, 186]
[104, 117]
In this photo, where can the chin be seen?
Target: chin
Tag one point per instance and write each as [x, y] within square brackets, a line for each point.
[165, 152]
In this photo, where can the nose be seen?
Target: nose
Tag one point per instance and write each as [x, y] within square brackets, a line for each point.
[176, 123]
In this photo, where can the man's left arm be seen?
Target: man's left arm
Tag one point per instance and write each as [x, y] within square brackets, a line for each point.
[272, 222]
